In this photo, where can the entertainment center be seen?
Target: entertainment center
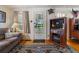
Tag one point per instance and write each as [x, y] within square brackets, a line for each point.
[58, 31]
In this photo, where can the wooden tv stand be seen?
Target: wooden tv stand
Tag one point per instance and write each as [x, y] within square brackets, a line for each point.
[58, 35]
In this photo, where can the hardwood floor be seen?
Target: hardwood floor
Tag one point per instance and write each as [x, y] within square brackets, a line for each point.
[25, 42]
[73, 45]
[30, 42]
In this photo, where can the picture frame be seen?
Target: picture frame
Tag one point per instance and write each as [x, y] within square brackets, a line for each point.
[2, 17]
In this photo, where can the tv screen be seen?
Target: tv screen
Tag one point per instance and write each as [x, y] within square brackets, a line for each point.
[57, 23]
[2, 17]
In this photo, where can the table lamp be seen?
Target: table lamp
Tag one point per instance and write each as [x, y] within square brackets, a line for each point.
[15, 27]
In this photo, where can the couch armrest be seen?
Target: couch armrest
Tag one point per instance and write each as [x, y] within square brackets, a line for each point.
[6, 42]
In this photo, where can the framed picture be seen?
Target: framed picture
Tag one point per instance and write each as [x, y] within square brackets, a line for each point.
[2, 17]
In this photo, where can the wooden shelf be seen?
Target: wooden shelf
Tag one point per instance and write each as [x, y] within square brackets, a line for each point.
[62, 32]
[73, 32]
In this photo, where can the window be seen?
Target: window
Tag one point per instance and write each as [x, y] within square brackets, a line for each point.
[23, 20]
[20, 21]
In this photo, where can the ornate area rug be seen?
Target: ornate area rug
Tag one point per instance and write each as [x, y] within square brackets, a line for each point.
[40, 49]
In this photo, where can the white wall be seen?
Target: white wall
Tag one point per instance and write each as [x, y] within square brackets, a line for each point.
[9, 17]
[66, 11]
[32, 11]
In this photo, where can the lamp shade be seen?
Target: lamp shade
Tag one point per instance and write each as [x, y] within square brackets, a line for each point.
[15, 25]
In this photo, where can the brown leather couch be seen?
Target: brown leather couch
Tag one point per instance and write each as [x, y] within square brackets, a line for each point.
[8, 43]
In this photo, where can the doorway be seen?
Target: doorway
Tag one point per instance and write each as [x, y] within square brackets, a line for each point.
[39, 27]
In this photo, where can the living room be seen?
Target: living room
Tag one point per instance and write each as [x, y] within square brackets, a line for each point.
[38, 29]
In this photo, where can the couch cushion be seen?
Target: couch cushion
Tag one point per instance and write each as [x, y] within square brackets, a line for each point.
[10, 35]
[5, 43]
[12, 39]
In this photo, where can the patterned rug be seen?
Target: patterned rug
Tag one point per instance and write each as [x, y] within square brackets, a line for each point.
[40, 49]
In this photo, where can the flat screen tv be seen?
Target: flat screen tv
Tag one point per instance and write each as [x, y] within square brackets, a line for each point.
[2, 17]
[57, 23]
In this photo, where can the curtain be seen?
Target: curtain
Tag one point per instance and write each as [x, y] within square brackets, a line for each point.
[26, 21]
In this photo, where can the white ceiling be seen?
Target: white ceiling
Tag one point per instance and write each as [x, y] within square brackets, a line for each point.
[26, 7]
[39, 6]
